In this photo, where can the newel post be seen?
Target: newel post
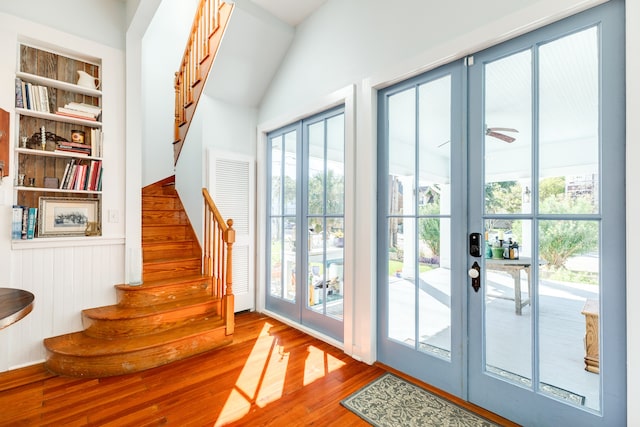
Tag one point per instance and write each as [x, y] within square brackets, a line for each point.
[229, 238]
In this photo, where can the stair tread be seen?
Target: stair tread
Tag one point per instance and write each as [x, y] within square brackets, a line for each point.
[118, 312]
[81, 345]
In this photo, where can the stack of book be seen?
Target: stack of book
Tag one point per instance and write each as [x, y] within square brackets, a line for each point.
[32, 97]
[23, 224]
[82, 175]
[74, 148]
[80, 110]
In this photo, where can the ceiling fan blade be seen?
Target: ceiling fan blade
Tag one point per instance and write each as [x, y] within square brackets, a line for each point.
[502, 130]
[501, 136]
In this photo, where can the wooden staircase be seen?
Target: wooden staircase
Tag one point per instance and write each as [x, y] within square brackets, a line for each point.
[174, 314]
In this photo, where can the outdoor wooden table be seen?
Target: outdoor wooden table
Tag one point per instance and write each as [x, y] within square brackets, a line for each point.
[14, 305]
[513, 267]
[591, 313]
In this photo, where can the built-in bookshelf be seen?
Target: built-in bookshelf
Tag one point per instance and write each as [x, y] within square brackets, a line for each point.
[58, 143]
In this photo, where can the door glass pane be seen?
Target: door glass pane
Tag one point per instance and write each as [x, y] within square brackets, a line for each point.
[316, 185]
[276, 176]
[402, 289]
[335, 267]
[434, 272]
[316, 262]
[568, 292]
[335, 165]
[433, 259]
[290, 173]
[508, 134]
[507, 308]
[402, 151]
[282, 265]
[434, 169]
[289, 258]
[276, 289]
[569, 105]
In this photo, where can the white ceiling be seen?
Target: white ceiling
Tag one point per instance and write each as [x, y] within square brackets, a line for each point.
[292, 12]
[253, 48]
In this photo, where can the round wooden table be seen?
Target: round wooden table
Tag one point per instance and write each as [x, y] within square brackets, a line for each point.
[14, 305]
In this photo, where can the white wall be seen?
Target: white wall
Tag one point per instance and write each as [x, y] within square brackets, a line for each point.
[162, 49]
[215, 126]
[65, 275]
[103, 21]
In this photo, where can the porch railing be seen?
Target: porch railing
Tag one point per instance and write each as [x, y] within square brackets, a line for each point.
[217, 257]
[208, 26]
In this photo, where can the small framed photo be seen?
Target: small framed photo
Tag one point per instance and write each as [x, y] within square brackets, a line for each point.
[66, 217]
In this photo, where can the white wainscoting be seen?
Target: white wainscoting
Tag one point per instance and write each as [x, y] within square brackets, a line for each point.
[65, 277]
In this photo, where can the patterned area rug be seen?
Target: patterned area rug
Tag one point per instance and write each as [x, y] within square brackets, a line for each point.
[390, 401]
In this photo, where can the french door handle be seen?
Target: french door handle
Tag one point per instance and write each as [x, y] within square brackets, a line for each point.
[474, 273]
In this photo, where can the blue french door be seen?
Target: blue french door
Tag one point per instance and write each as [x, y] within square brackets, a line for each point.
[420, 292]
[538, 176]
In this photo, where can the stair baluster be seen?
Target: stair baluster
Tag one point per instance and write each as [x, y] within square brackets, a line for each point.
[218, 257]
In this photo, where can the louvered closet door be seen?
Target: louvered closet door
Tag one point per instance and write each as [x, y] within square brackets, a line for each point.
[231, 185]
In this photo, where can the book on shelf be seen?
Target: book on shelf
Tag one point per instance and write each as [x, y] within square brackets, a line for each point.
[71, 111]
[96, 137]
[73, 152]
[68, 173]
[80, 174]
[74, 144]
[44, 99]
[32, 97]
[25, 221]
[74, 148]
[19, 97]
[86, 108]
[16, 222]
[76, 115]
[31, 223]
[99, 186]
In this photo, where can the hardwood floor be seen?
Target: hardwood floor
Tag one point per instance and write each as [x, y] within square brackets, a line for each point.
[272, 375]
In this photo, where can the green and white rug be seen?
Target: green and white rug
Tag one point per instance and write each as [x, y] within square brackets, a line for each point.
[390, 401]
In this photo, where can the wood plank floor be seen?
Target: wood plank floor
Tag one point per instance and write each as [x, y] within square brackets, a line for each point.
[272, 375]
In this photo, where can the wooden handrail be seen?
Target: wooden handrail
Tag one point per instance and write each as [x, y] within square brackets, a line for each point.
[217, 257]
[204, 39]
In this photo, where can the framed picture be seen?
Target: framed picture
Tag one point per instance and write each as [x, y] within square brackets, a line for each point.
[66, 217]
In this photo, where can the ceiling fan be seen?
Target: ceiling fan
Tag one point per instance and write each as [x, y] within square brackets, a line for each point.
[498, 133]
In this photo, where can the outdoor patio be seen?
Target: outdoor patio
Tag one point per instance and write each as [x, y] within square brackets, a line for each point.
[509, 341]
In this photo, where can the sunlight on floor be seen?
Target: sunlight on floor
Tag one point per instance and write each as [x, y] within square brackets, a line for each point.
[272, 363]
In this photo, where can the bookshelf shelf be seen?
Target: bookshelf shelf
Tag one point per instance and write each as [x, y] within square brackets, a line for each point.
[53, 83]
[56, 190]
[33, 152]
[58, 118]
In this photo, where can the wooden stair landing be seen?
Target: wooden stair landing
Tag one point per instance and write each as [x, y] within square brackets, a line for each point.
[170, 316]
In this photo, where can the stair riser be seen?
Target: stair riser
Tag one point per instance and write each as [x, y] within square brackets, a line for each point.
[158, 203]
[140, 326]
[146, 297]
[162, 250]
[180, 268]
[164, 233]
[135, 361]
[164, 218]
